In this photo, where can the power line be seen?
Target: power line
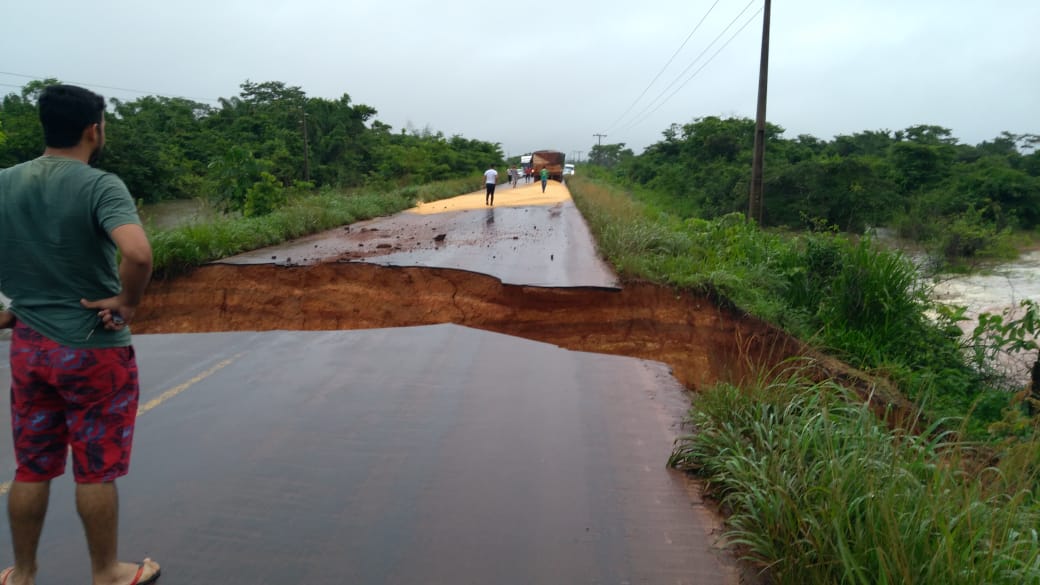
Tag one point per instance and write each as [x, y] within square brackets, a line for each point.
[642, 115]
[658, 76]
[649, 112]
[99, 86]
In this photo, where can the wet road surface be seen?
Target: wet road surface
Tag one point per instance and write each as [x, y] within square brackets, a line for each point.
[436, 454]
[524, 239]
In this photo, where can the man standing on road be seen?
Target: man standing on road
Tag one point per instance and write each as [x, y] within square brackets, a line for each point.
[74, 375]
[545, 178]
[490, 180]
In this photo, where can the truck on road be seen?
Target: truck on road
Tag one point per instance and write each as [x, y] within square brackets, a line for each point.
[547, 159]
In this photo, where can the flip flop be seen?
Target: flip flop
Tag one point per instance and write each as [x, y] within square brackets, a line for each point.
[137, 577]
[5, 574]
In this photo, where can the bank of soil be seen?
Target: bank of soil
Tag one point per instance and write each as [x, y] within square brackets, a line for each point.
[703, 341]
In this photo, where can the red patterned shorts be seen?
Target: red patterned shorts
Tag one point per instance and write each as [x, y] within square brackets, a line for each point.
[65, 396]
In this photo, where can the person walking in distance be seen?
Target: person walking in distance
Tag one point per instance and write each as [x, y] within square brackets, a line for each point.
[545, 178]
[73, 372]
[490, 179]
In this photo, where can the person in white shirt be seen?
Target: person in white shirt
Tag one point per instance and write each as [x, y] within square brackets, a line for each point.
[490, 180]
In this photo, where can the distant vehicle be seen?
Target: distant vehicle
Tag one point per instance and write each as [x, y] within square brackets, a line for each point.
[548, 159]
[525, 164]
[568, 169]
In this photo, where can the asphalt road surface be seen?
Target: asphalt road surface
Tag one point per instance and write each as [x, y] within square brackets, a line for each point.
[433, 455]
[526, 238]
[425, 455]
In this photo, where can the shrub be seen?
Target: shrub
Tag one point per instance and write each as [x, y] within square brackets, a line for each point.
[819, 491]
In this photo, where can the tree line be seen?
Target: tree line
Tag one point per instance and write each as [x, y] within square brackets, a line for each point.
[920, 180]
[243, 153]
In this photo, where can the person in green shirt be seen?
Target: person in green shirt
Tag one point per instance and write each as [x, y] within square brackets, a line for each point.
[545, 178]
[74, 379]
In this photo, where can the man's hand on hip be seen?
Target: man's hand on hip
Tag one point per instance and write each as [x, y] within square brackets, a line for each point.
[115, 314]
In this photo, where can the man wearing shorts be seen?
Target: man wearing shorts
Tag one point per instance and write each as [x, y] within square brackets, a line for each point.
[74, 376]
[490, 179]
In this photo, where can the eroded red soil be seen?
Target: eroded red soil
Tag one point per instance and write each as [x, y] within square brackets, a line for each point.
[702, 342]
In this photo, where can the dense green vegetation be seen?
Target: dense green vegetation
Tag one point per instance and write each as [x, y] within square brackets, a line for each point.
[816, 488]
[820, 492]
[244, 154]
[921, 180]
[855, 300]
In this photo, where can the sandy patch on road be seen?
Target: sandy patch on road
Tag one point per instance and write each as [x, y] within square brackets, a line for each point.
[505, 196]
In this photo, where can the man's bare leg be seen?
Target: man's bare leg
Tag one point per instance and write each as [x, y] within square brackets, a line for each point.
[98, 507]
[26, 509]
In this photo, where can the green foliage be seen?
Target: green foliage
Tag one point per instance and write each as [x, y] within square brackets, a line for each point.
[1012, 331]
[819, 491]
[970, 236]
[235, 173]
[171, 148]
[610, 155]
[265, 196]
[919, 179]
[857, 300]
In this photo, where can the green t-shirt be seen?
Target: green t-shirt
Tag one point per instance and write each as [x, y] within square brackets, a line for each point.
[56, 215]
[545, 174]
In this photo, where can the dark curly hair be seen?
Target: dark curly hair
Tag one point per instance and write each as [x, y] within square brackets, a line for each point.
[66, 111]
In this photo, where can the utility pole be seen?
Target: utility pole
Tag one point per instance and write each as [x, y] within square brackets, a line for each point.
[755, 198]
[306, 147]
[599, 150]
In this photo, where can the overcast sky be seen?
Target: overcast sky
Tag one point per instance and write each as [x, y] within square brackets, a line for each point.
[533, 75]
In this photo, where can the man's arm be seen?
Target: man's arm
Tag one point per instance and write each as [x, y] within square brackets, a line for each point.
[135, 269]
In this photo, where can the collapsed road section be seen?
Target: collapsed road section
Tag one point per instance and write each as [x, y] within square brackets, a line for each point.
[703, 342]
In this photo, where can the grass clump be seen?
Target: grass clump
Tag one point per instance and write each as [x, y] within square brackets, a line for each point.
[819, 491]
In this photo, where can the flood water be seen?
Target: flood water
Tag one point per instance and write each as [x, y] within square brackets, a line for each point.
[1002, 287]
[999, 289]
[170, 214]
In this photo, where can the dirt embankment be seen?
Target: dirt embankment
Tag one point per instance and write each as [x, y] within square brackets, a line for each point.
[702, 342]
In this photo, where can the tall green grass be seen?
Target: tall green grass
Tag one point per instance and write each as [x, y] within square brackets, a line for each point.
[818, 491]
[853, 299]
[183, 248]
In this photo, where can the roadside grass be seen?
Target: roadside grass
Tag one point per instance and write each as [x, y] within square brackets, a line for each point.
[181, 249]
[857, 301]
[817, 490]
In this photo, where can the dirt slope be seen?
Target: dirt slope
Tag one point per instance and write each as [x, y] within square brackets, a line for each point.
[701, 341]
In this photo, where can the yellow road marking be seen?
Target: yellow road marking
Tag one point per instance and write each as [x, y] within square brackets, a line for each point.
[182, 387]
[6, 486]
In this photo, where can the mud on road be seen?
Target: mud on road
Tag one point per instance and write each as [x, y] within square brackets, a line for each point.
[702, 341]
